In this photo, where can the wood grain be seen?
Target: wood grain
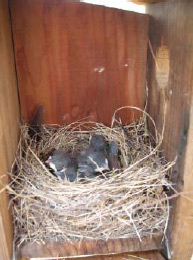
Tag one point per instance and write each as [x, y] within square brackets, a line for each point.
[182, 237]
[56, 249]
[9, 124]
[171, 29]
[151, 255]
[78, 60]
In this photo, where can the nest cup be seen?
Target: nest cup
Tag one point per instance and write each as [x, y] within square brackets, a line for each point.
[128, 203]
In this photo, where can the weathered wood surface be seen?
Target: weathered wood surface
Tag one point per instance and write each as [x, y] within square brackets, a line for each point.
[78, 60]
[182, 235]
[56, 249]
[171, 79]
[9, 124]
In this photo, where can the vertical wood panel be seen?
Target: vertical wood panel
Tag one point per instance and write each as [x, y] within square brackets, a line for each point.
[78, 60]
[171, 28]
[182, 237]
[9, 124]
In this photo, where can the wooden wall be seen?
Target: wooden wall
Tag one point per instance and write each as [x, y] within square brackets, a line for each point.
[78, 60]
[170, 79]
[68, 52]
[9, 124]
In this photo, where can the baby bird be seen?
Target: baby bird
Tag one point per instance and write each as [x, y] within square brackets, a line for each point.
[63, 165]
[93, 159]
[113, 156]
[70, 173]
[58, 160]
[98, 143]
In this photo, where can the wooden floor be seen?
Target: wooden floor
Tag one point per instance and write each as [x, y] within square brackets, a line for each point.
[151, 255]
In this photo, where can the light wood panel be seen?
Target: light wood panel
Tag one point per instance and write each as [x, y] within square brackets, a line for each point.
[171, 79]
[78, 60]
[9, 124]
[86, 248]
[151, 255]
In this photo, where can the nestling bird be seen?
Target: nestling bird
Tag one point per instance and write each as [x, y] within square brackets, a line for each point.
[70, 173]
[63, 165]
[98, 142]
[93, 159]
[113, 156]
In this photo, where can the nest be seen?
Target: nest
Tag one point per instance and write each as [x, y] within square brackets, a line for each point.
[128, 203]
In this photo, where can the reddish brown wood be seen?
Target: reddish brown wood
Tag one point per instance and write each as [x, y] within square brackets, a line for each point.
[86, 248]
[9, 125]
[78, 60]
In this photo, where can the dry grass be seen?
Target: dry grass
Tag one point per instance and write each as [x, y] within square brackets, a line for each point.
[117, 205]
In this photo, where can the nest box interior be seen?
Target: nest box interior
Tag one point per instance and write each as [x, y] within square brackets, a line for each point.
[85, 61]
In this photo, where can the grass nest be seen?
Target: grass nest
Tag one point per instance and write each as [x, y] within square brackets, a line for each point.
[131, 202]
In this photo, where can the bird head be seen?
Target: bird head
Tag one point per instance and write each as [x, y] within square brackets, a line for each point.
[58, 160]
[98, 142]
[113, 148]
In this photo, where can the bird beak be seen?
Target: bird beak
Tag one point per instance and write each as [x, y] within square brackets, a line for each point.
[48, 160]
[104, 167]
[52, 166]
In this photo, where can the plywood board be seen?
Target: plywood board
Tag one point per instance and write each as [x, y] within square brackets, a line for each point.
[78, 60]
